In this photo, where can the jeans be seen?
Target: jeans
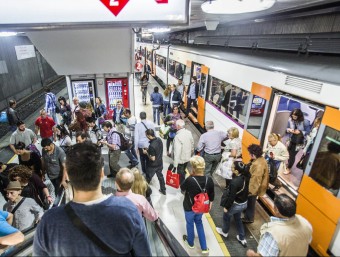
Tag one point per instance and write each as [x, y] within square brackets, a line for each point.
[56, 183]
[166, 109]
[143, 159]
[191, 219]
[181, 171]
[54, 116]
[235, 210]
[156, 115]
[250, 211]
[131, 154]
[168, 142]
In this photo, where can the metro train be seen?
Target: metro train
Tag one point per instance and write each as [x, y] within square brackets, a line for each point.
[256, 92]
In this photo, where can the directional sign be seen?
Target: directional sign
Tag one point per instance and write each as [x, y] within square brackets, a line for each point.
[115, 6]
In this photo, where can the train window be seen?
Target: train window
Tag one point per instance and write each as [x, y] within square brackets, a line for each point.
[230, 99]
[176, 69]
[326, 166]
[161, 61]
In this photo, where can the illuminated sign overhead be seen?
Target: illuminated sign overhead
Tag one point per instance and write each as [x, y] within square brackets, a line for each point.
[54, 13]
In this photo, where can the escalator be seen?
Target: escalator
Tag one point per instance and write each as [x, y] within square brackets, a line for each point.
[162, 242]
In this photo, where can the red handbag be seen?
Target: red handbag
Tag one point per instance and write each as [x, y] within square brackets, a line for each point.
[172, 179]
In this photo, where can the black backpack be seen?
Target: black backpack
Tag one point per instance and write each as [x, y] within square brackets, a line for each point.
[125, 142]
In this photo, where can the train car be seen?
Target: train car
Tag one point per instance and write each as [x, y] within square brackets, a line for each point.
[256, 92]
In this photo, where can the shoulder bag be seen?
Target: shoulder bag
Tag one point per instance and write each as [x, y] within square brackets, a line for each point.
[80, 225]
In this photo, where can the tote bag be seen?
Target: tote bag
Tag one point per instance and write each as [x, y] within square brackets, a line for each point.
[172, 178]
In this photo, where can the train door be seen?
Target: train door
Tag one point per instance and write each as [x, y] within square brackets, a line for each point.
[201, 72]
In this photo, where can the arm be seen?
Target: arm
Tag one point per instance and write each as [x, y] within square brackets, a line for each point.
[284, 155]
[148, 212]
[201, 143]
[36, 129]
[33, 137]
[9, 218]
[255, 180]
[13, 149]
[140, 244]
[12, 239]
[177, 151]
[47, 195]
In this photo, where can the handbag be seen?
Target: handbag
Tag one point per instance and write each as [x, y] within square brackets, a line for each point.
[172, 178]
[297, 139]
[300, 163]
[164, 131]
[224, 167]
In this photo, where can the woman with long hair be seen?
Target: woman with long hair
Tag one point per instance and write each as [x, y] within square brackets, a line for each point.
[297, 129]
[64, 137]
[140, 186]
[192, 186]
[29, 159]
[100, 109]
[65, 111]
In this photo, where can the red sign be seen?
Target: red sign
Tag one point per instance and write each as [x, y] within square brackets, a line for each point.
[161, 1]
[115, 6]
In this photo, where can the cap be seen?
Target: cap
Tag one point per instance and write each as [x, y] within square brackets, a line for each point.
[13, 185]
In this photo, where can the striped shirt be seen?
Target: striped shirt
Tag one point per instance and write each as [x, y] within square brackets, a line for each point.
[113, 139]
[50, 100]
[192, 93]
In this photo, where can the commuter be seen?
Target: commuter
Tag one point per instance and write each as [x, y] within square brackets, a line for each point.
[175, 97]
[140, 186]
[53, 163]
[236, 202]
[227, 100]
[96, 134]
[12, 115]
[183, 149]
[144, 87]
[241, 99]
[180, 87]
[64, 137]
[154, 163]
[22, 134]
[192, 186]
[8, 234]
[232, 149]
[121, 227]
[210, 143]
[112, 142]
[100, 109]
[130, 133]
[171, 120]
[192, 95]
[31, 185]
[29, 159]
[258, 181]
[76, 107]
[25, 210]
[147, 71]
[65, 111]
[326, 168]
[141, 141]
[50, 104]
[4, 171]
[297, 129]
[287, 234]
[118, 116]
[276, 151]
[82, 137]
[81, 113]
[46, 125]
[166, 101]
[124, 182]
[157, 101]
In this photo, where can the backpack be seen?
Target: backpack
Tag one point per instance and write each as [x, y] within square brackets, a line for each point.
[34, 149]
[125, 142]
[272, 170]
[201, 200]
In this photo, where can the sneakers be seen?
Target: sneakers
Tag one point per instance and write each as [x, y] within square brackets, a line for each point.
[244, 220]
[205, 251]
[242, 242]
[220, 231]
[185, 239]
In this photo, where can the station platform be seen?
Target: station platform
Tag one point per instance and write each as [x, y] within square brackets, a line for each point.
[170, 206]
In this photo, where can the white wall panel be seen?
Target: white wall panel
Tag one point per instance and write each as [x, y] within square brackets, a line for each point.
[86, 51]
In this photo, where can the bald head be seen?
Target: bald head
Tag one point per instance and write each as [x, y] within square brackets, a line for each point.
[124, 179]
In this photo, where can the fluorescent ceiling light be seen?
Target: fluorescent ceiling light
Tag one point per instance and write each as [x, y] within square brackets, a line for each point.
[8, 34]
[159, 30]
[236, 6]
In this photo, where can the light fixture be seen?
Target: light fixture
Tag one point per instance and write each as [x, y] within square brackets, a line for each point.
[8, 34]
[236, 6]
[159, 30]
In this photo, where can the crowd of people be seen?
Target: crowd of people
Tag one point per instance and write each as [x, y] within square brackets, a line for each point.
[31, 186]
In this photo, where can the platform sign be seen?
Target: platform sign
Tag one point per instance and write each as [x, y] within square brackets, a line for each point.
[36, 13]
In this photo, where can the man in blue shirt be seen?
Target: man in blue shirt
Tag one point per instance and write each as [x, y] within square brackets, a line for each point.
[50, 104]
[192, 95]
[116, 221]
[8, 234]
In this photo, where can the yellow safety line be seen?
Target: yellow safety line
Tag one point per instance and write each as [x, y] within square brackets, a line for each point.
[12, 159]
[217, 235]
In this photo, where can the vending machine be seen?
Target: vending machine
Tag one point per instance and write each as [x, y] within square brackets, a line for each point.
[84, 90]
[116, 89]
